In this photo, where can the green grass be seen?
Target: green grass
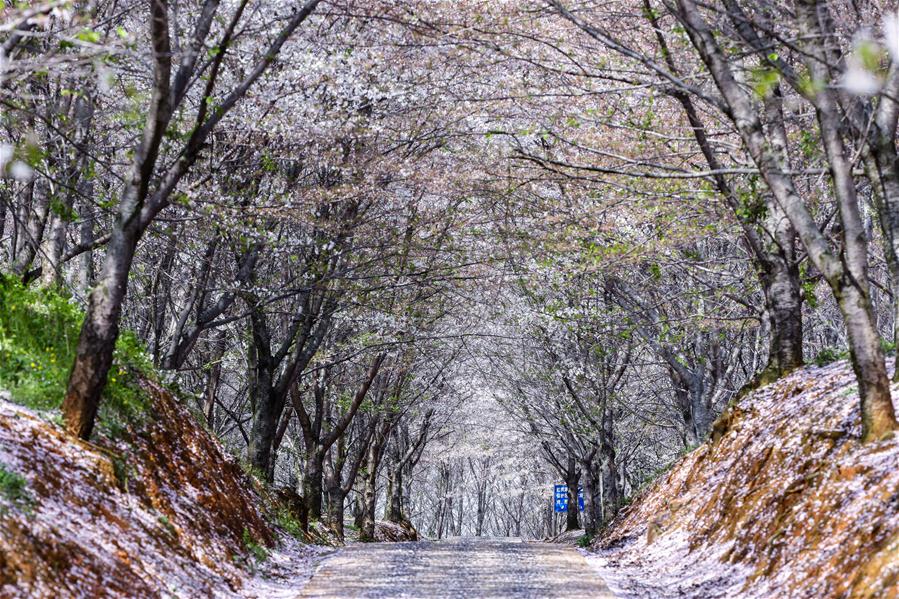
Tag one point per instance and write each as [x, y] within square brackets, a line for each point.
[38, 337]
[252, 471]
[289, 523]
[828, 355]
[13, 486]
[168, 526]
[255, 549]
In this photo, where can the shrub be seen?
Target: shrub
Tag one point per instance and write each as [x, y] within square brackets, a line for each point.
[289, 523]
[255, 549]
[38, 337]
[13, 486]
[829, 355]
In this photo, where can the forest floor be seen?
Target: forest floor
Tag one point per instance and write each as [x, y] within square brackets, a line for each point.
[461, 567]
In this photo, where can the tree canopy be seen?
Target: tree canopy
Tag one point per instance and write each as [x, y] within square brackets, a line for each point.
[431, 257]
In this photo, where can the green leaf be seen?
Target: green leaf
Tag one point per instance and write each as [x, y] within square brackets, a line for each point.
[808, 86]
[870, 54]
[89, 35]
[764, 80]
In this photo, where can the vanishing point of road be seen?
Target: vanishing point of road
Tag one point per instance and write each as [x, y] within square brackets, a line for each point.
[457, 568]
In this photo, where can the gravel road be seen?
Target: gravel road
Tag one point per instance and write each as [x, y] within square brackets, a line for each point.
[455, 568]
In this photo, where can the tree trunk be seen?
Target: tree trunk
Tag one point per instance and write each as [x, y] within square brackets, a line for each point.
[261, 379]
[19, 208]
[481, 513]
[549, 520]
[85, 278]
[447, 519]
[33, 227]
[61, 215]
[263, 429]
[782, 289]
[444, 518]
[4, 202]
[882, 168]
[213, 377]
[160, 293]
[369, 497]
[866, 353]
[609, 472]
[312, 485]
[458, 521]
[370, 489]
[393, 511]
[684, 396]
[358, 510]
[54, 243]
[701, 410]
[572, 478]
[889, 222]
[519, 515]
[591, 522]
[783, 301]
[99, 333]
[894, 287]
[439, 514]
[335, 513]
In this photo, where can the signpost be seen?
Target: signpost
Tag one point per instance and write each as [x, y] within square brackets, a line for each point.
[560, 497]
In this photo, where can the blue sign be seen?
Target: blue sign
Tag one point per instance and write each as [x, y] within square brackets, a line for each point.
[560, 497]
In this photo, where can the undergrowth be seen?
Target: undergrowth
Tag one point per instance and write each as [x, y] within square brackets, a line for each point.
[13, 487]
[254, 548]
[254, 472]
[38, 336]
[828, 355]
[168, 526]
[289, 523]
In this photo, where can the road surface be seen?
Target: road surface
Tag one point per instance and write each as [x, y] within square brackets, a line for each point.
[456, 568]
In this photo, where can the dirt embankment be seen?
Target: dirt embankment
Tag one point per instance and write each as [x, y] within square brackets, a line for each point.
[162, 512]
[782, 501]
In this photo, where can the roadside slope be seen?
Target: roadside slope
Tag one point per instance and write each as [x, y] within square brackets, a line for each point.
[782, 501]
[162, 511]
